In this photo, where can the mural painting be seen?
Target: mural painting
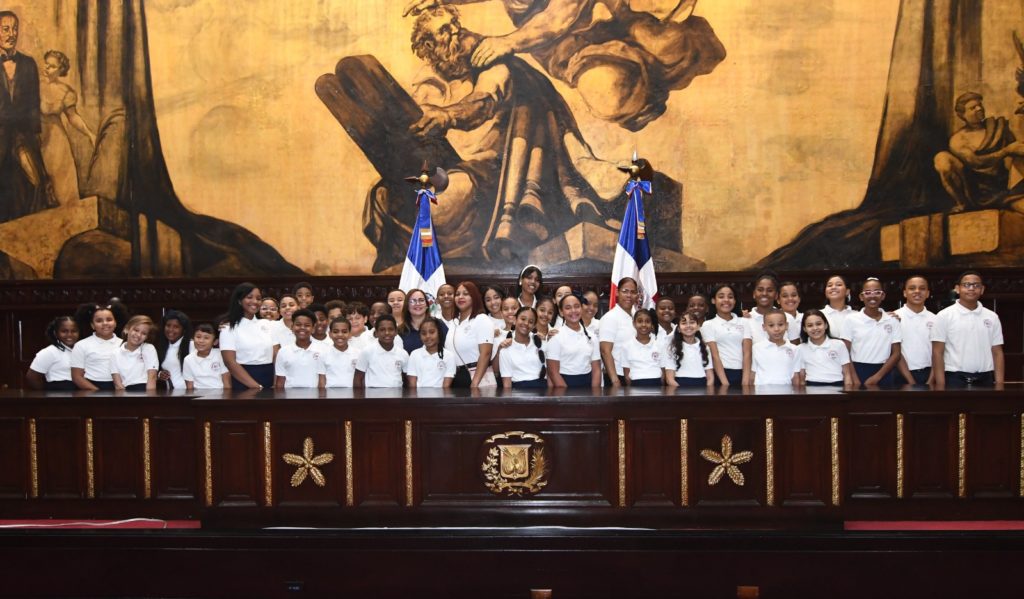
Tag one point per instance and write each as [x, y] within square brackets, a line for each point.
[181, 138]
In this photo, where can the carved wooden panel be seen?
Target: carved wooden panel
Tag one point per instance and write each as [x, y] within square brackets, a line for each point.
[747, 434]
[61, 458]
[118, 451]
[993, 447]
[237, 463]
[869, 456]
[14, 459]
[654, 462]
[378, 463]
[803, 462]
[931, 456]
[289, 437]
[175, 458]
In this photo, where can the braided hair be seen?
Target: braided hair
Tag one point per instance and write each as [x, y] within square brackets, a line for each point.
[537, 342]
[51, 331]
[583, 301]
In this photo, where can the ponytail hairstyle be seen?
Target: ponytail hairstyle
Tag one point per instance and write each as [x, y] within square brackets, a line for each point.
[440, 339]
[162, 344]
[85, 312]
[583, 302]
[51, 331]
[677, 339]
[650, 314]
[537, 342]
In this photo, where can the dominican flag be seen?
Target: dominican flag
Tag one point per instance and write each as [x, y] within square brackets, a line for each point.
[423, 268]
[633, 253]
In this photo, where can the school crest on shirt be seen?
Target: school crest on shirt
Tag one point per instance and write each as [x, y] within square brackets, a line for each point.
[833, 355]
[789, 352]
[515, 464]
[215, 366]
[440, 365]
[888, 328]
[988, 323]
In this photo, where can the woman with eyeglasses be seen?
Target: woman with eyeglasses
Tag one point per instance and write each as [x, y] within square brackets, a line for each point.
[617, 330]
[414, 311]
[873, 337]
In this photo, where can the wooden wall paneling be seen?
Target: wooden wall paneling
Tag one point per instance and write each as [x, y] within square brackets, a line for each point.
[176, 458]
[118, 458]
[931, 455]
[654, 460]
[289, 437]
[746, 434]
[868, 451]
[237, 463]
[993, 455]
[378, 463]
[61, 457]
[803, 462]
[450, 456]
[1011, 316]
[14, 458]
[583, 461]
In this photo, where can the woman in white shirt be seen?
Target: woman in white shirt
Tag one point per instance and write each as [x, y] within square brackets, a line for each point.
[90, 357]
[574, 355]
[51, 368]
[172, 345]
[246, 343]
[617, 330]
[470, 339]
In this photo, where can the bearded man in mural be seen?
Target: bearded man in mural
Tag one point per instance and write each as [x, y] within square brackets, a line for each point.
[624, 63]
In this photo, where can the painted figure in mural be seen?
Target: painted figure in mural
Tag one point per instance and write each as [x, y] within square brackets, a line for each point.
[976, 169]
[25, 188]
[516, 183]
[59, 99]
[624, 63]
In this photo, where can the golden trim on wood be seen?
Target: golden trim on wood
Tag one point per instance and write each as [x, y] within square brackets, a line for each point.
[684, 451]
[899, 456]
[769, 460]
[147, 462]
[308, 464]
[835, 460]
[408, 463]
[33, 456]
[268, 480]
[350, 496]
[961, 446]
[90, 461]
[208, 455]
[515, 464]
[622, 463]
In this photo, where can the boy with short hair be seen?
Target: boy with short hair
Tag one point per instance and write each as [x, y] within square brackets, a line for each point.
[357, 314]
[381, 364]
[204, 368]
[303, 293]
[775, 361]
[916, 322]
[298, 364]
[967, 340]
[320, 324]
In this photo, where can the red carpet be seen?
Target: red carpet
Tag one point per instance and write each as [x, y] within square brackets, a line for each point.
[935, 525]
[133, 523]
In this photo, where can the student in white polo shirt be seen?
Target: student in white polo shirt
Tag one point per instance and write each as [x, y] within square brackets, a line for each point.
[298, 364]
[967, 340]
[51, 368]
[775, 361]
[574, 355]
[837, 308]
[428, 367]
[522, 363]
[643, 354]
[133, 365]
[825, 359]
[916, 323]
[874, 338]
[90, 357]
[729, 339]
[381, 363]
[338, 363]
[204, 368]
[766, 293]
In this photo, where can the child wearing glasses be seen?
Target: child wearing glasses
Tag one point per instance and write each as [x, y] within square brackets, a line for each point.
[967, 339]
[873, 337]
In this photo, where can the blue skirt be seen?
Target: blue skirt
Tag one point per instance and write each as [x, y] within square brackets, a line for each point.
[733, 375]
[865, 371]
[136, 387]
[645, 383]
[577, 380]
[534, 384]
[261, 373]
[921, 376]
[685, 381]
[103, 385]
[61, 386]
[820, 384]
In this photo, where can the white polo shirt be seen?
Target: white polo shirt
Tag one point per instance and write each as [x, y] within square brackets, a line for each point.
[757, 332]
[573, 350]
[836, 319]
[300, 366]
[205, 372]
[252, 341]
[133, 366]
[383, 368]
[643, 359]
[339, 366]
[281, 333]
[691, 366]
[916, 328]
[93, 355]
[465, 337]
[774, 364]
[871, 340]
[795, 324]
[595, 328]
[617, 327]
[53, 362]
[173, 365]
[429, 369]
[824, 363]
[728, 336]
[969, 336]
[520, 361]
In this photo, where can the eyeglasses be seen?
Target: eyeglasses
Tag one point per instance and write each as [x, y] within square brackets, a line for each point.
[627, 292]
[873, 293]
[972, 285]
[417, 301]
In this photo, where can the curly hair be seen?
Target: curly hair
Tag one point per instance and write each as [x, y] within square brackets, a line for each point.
[64, 65]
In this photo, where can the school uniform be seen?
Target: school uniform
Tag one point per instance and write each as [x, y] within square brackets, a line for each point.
[871, 343]
[54, 363]
[823, 364]
[300, 366]
[411, 340]
[92, 354]
[364, 340]
[133, 365]
[430, 369]
[691, 371]
[617, 328]
[728, 336]
[382, 367]
[253, 342]
[594, 328]
[917, 342]
[463, 343]
[794, 324]
[205, 372]
[969, 336]
[339, 367]
[644, 361]
[836, 319]
[575, 353]
[173, 364]
[757, 332]
[521, 362]
[281, 333]
[774, 364]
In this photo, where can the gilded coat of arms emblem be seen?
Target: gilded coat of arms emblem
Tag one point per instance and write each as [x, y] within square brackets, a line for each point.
[515, 464]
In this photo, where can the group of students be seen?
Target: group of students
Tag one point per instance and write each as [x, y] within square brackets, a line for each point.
[468, 338]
